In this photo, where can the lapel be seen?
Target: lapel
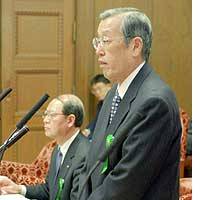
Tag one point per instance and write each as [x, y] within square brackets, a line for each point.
[105, 110]
[66, 166]
[53, 161]
[67, 162]
[128, 98]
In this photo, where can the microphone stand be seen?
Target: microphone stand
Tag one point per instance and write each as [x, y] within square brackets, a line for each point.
[3, 146]
[7, 143]
[2, 151]
[20, 126]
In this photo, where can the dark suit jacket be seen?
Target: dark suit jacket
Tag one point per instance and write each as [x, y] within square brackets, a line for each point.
[146, 165]
[73, 161]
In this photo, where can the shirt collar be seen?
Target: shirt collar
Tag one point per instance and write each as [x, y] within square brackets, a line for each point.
[64, 147]
[123, 87]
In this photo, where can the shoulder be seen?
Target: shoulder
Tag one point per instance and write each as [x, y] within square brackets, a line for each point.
[84, 144]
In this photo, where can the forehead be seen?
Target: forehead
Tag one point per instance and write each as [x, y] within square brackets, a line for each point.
[55, 105]
[98, 85]
[110, 25]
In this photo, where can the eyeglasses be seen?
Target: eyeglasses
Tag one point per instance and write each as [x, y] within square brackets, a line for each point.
[102, 41]
[50, 115]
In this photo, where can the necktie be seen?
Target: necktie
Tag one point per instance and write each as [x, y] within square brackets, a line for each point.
[115, 103]
[58, 163]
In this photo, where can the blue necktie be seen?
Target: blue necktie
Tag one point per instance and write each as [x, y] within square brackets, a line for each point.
[58, 163]
[115, 103]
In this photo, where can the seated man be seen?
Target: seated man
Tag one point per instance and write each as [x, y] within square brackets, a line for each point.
[62, 121]
[99, 88]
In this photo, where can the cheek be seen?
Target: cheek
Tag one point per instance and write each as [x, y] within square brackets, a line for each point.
[117, 55]
[54, 128]
[117, 63]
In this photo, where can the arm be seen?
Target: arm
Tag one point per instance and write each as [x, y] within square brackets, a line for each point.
[144, 152]
[76, 181]
[80, 166]
[40, 191]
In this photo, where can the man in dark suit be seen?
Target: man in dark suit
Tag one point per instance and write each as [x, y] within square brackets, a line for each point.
[145, 165]
[62, 121]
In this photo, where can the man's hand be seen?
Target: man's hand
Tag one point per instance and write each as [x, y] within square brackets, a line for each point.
[8, 187]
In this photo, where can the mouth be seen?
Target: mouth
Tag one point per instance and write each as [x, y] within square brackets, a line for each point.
[46, 128]
[101, 62]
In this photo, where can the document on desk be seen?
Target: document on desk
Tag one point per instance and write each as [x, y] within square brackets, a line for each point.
[12, 197]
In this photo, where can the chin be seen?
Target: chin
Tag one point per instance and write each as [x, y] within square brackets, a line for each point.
[107, 75]
[49, 135]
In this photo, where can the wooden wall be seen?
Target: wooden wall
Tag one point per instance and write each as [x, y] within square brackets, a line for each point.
[37, 58]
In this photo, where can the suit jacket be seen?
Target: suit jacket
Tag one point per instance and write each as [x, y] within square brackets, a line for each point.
[146, 165]
[69, 171]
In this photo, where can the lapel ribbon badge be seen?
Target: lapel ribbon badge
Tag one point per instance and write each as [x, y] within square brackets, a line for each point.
[109, 141]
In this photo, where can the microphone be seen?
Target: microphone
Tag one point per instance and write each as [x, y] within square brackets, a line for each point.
[5, 93]
[20, 128]
[32, 111]
[15, 137]
[118, 140]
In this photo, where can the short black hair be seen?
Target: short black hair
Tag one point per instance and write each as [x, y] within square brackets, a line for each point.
[99, 78]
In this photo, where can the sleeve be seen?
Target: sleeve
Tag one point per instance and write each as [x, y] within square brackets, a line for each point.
[40, 191]
[144, 152]
[76, 181]
[23, 190]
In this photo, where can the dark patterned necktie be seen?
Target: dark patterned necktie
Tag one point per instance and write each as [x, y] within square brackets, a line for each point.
[115, 103]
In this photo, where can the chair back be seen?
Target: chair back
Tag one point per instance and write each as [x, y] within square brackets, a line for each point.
[184, 123]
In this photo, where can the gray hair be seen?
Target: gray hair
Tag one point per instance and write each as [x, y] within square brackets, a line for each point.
[72, 105]
[134, 24]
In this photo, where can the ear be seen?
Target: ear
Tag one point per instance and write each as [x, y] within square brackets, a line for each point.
[70, 120]
[136, 46]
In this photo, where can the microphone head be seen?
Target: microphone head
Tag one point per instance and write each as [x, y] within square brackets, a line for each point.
[32, 111]
[16, 136]
[4, 93]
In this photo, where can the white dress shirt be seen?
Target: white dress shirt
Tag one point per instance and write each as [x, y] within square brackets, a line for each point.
[123, 87]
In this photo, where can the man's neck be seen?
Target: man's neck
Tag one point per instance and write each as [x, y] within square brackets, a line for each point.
[131, 70]
[67, 136]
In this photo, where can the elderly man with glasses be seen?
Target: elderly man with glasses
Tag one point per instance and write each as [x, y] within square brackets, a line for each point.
[141, 109]
[62, 120]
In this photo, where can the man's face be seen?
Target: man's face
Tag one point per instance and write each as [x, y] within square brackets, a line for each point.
[114, 58]
[99, 90]
[54, 120]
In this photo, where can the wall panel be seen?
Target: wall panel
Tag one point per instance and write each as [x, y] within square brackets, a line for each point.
[37, 58]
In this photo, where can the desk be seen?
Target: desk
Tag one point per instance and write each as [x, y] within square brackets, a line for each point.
[12, 197]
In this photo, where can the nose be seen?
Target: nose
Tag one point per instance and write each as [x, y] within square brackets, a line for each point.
[46, 119]
[100, 51]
